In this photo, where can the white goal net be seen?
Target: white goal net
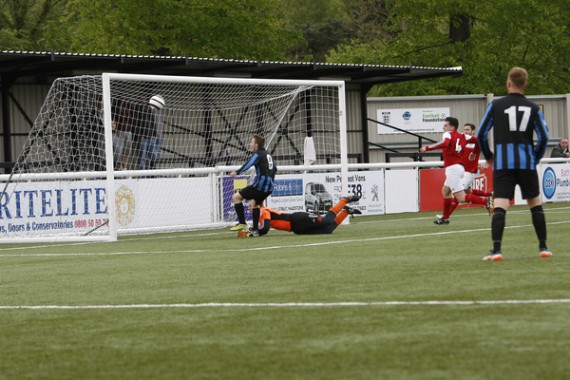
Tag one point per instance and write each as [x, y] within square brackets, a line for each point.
[163, 146]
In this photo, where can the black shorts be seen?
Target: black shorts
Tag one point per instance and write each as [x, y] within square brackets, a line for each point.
[250, 192]
[504, 182]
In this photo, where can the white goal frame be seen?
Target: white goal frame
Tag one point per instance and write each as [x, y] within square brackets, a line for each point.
[214, 173]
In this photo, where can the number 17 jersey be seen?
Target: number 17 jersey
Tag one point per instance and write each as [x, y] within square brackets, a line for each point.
[514, 120]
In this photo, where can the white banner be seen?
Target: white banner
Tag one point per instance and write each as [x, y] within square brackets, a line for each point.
[157, 202]
[555, 182]
[40, 208]
[34, 209]
[320, 191]
[76, 207]
[416, 120]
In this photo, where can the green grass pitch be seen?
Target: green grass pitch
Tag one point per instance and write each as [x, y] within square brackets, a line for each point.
[387, 297]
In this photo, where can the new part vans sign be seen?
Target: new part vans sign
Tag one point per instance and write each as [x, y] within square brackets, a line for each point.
[415, 120]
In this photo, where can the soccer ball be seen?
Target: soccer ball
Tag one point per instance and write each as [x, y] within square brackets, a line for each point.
[157, 102]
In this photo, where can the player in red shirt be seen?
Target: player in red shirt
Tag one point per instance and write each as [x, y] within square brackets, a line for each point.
[452, 145]
[471, 154]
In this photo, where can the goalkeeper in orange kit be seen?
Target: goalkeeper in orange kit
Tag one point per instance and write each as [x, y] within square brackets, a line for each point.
[303, 223]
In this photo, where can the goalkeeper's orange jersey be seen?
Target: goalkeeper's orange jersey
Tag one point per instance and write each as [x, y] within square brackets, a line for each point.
[270, 218]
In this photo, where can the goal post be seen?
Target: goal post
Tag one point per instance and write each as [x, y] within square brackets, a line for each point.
[108, 125]
[162, 146]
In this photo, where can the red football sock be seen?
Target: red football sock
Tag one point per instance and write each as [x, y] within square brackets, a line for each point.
[470, 198]
[454, 204]
[446, 208]
[481, 193]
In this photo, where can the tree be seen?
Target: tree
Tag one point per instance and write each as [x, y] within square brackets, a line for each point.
[321, 23]
[248, 29]
[326, 24]
[23, 23]
[367, 19]
[485, 38]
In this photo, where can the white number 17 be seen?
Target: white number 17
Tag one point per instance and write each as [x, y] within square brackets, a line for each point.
[512, 112]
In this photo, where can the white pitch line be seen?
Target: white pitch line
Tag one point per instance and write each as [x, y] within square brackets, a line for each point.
[225, 232]
[267, 248]
[285, 304]
[138, 238]
[556, 210]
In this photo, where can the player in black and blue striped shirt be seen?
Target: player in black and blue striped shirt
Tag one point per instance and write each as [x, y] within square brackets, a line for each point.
[262, 187]
[515, 121]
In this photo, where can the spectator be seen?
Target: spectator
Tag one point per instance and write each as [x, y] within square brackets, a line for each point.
[122, 136]
[151, 133]
[561, 150]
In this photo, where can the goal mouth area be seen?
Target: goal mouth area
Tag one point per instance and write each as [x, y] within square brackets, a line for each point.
[164, 147]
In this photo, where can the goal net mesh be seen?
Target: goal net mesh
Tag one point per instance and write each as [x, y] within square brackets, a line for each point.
[165, 133]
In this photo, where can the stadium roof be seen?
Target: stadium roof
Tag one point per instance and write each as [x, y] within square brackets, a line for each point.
[44, 67]
[16, 64]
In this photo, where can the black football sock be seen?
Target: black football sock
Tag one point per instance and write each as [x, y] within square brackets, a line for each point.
[539, 223]
[498, 227]
[255, 213]
[240, 212]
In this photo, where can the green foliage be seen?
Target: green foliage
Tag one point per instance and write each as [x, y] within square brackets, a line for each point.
[533, 34]
[302, 12]
[23, 23]
[246, 29]
[319, 38]
[327, 24]
[486, 38]
[321, 23]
